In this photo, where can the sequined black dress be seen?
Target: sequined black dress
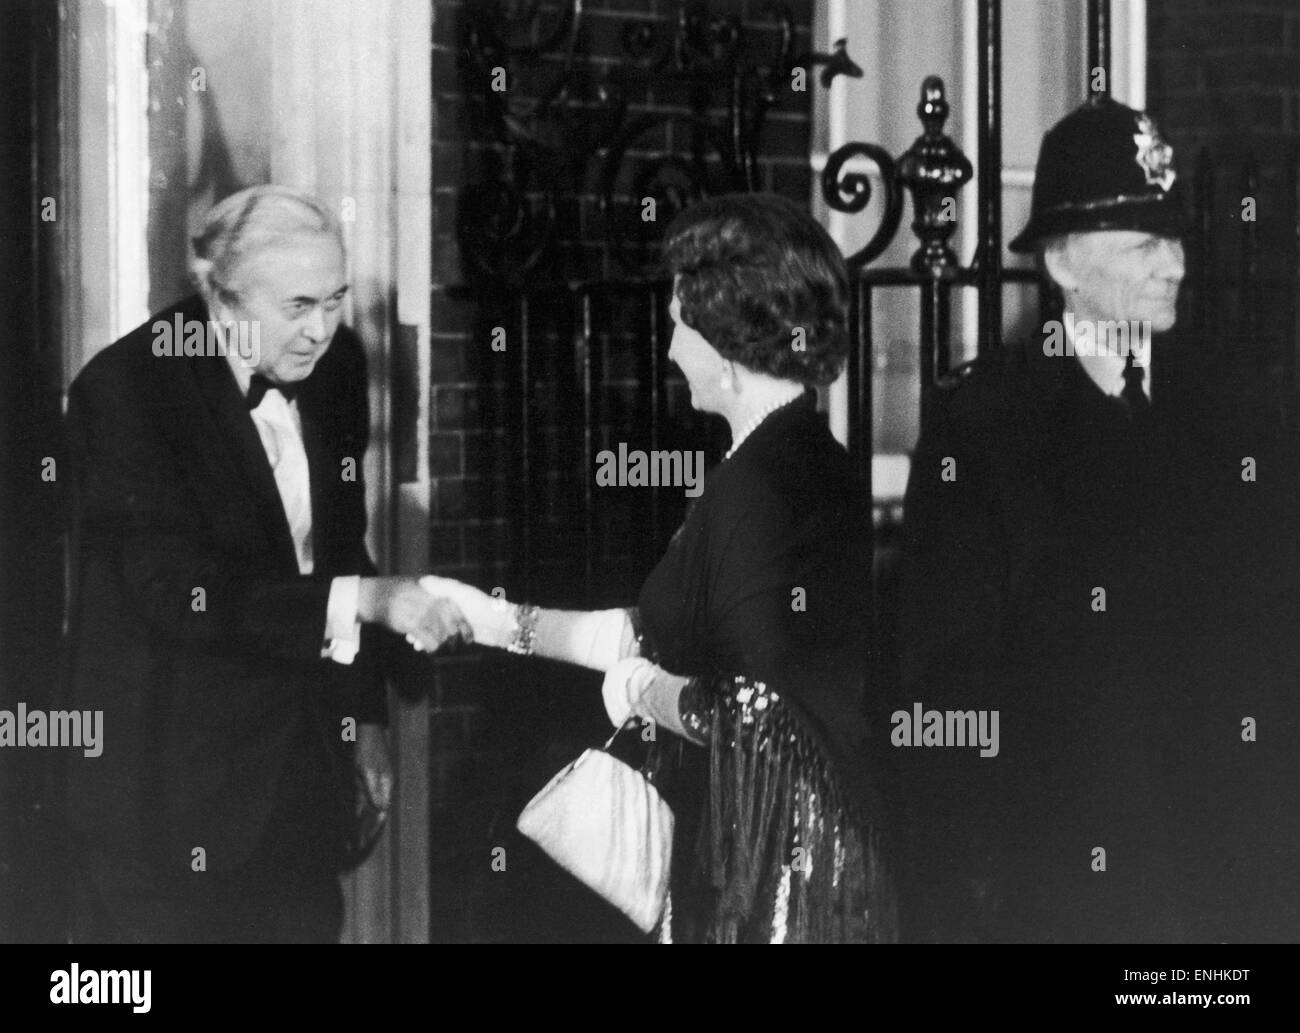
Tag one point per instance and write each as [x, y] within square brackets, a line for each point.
[761, 598]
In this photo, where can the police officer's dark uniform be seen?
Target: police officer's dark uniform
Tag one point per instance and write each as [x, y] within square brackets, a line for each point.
[1114, 809]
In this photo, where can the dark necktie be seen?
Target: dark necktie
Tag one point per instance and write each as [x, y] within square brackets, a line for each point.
[259, 385]
[1133, 394]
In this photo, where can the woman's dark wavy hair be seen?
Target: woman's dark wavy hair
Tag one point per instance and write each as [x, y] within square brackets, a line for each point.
[752, 269]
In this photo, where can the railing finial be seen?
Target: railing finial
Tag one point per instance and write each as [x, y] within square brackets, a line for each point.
[934, 169]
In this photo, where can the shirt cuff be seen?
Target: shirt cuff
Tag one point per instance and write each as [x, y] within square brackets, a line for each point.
[342, 629]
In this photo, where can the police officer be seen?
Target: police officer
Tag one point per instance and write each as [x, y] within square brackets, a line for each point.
[1063, 532]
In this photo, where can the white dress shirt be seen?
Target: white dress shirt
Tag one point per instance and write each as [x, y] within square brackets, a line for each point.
[280, 428]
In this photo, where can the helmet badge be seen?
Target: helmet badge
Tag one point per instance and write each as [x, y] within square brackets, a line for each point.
[1154, 156]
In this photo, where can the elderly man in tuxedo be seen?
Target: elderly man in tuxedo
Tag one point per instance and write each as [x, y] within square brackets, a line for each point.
[221, 583]
[1067, 564]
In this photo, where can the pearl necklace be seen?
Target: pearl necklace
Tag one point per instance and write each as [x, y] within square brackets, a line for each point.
[754, 424]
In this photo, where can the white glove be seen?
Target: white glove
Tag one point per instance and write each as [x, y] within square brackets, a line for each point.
[595, 638]
[489, 616]
[634, 687]
[624, 686]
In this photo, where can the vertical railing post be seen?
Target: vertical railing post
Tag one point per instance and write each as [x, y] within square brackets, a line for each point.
[524, 525]
[929, 346]
[583, 364]
[1098, 49]
[866, 451]
[989, 261]
[859, 438]
[861, 374]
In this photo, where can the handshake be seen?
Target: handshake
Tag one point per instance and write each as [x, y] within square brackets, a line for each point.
[431, 611]
[427, 621]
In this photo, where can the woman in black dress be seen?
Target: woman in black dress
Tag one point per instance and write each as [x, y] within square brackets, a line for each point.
[748, 638]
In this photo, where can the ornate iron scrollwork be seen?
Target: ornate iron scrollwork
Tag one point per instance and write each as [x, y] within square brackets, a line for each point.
[933, 169]
[572, 127]
[851, 192]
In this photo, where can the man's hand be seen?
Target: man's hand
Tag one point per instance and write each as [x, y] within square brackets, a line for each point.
[400, 604]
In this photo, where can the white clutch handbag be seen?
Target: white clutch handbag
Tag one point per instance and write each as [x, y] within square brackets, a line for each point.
[606, 825]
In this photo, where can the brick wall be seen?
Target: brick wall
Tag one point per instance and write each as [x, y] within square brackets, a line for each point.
[501, 727]
[1224, 78]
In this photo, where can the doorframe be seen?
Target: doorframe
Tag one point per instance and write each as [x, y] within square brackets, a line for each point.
[103, 200]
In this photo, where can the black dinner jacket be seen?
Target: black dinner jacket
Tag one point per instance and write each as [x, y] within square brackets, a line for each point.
[220, 717]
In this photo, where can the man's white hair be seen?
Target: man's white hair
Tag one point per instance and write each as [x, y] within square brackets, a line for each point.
[248, 222]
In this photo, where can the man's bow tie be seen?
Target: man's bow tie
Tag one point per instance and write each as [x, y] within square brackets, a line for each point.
[259, 385]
